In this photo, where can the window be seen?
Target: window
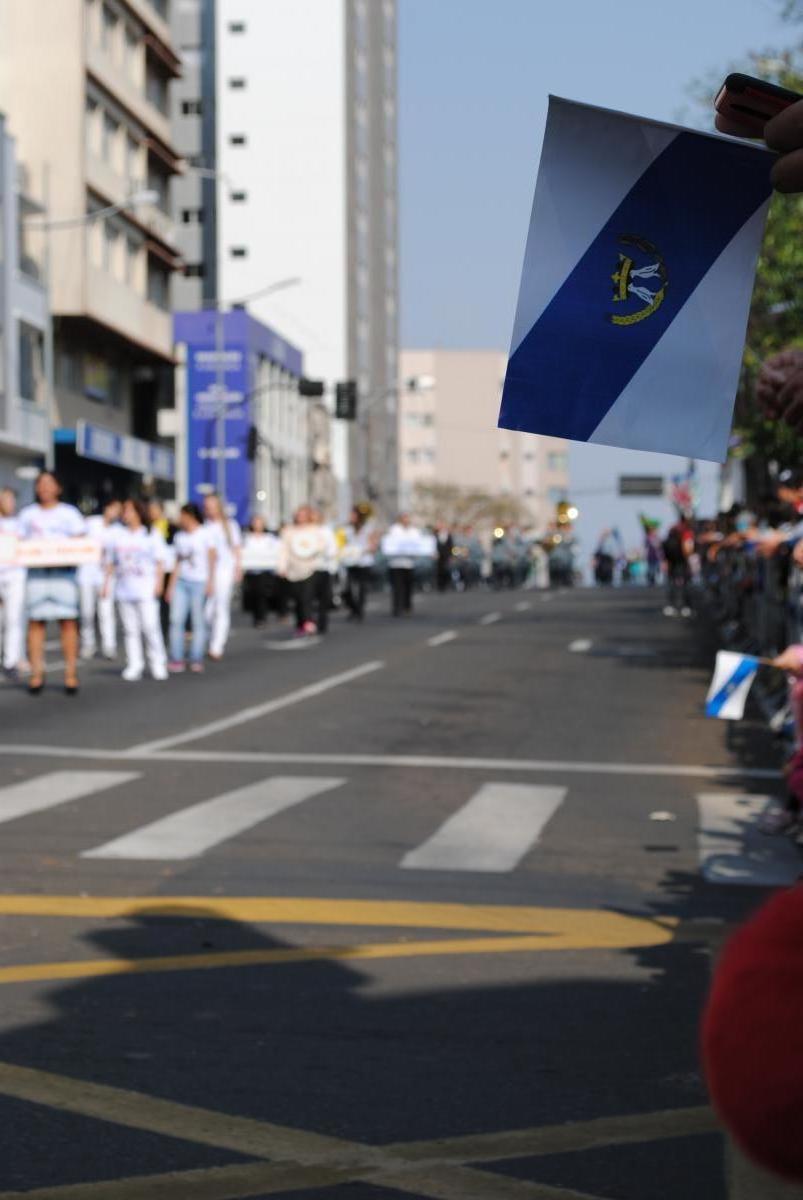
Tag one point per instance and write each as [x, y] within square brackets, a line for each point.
[158, 285]
[237, 84]
[31, 363]
[236, 26]
[238, 197]
[131, 258]
[131, 46]
[237, 139]
[194, 270]
[239, 252]
[108, 29]
[191, 108]
[192, 216]
[156, 90]
[109, 133]
[132, 164]
[504, 455]
[69, 370]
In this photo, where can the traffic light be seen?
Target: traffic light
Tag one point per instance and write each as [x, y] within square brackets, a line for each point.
[252, 444]
[346, 400]
[310, 387]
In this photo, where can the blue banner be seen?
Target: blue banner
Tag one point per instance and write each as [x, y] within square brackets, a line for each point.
[212, 399]
[120, 450]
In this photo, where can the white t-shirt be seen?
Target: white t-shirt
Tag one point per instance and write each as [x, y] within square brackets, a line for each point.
[136, 555]
[102, 535]
[10, 525]
[192, 554]
[60, 521]
[225, 546]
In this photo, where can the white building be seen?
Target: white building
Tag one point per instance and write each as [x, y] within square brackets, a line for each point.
[305, 113]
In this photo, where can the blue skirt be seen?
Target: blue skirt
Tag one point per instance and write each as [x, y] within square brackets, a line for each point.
[51, 594]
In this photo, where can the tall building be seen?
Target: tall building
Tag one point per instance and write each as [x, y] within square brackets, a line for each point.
[100, 140]
[305, 166]
[24, 322]
[448, 434]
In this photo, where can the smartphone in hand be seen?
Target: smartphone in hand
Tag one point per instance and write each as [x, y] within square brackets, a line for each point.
[744, 104]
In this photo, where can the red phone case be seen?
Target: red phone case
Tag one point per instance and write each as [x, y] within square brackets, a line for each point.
[750, 103]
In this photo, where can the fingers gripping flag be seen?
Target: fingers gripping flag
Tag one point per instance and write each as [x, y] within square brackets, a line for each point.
[733, 678]
[636, 284]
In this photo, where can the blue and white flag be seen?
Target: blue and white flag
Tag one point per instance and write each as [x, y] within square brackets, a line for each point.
[733, 678]
[636, 284]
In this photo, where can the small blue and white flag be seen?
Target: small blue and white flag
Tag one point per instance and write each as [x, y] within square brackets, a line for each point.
[733, 678]
[636, 284]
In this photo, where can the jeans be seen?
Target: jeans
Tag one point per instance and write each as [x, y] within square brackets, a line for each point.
[679, 580]
[188, 600]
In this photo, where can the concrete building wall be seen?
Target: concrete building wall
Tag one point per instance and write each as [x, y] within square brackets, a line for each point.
[448, 434]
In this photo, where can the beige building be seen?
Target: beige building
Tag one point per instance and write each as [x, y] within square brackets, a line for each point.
[448, 408]
[84, 85]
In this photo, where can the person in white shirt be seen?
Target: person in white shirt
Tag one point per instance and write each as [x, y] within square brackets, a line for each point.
[401, 545]
[96, 599]
[358, 558]
[227, 539]
[135, 569]
[51, 593]
[191, 584]
[303, 552]
[12, 593]
[326, 570]
[260, 561]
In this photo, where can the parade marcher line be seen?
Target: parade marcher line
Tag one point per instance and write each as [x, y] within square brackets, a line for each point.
[145, 753]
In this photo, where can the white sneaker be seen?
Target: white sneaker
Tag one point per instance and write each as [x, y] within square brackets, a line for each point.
[160, 673]
[670, 611]
[131, 676]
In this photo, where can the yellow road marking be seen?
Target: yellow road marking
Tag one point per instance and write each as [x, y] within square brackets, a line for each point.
[300, 1159]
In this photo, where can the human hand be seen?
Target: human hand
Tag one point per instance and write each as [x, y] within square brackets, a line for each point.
[797, 554]
[784, 134]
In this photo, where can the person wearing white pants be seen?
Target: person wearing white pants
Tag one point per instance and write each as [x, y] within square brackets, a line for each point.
[12, 595]
[95, 596]
[226, 538]
[136, 567]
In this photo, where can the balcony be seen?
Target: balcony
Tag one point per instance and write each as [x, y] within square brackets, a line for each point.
[104, 180]
[28, 427]
[151, 18]
[110, 77]
[120, 309]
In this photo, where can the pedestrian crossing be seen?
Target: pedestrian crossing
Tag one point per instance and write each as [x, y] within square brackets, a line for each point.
[492, 829]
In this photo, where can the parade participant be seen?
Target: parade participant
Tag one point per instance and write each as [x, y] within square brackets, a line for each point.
[12, 594]
[191, 584]
[101, 528]
[678, 549]
[51, 593]
[358, 557]
[158, 518]
[445, 544]
[325, 572]
[260, 561]
[135, 570]
[303, 552]
[227, 539]
[398, 546]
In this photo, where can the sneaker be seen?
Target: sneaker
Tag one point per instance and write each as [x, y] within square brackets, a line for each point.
[670, 611]
[159, 674]
[197, 668]
[176, 668]
[131, 676]
[87, 653]
[309, 628]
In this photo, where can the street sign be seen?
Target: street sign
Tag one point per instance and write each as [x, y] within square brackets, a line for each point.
[641, 485]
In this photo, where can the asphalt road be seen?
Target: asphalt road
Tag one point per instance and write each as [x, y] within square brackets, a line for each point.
[426, 908]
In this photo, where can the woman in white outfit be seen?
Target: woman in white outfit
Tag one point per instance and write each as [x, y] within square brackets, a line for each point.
[96, 599]
[12, 593]
[136, 570]
[227, 540]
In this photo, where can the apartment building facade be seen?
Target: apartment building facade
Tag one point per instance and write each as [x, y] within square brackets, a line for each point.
[103, 149]
[448, 434]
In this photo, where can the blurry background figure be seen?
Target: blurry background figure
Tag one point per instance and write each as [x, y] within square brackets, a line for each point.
[91, 578]
[652, 549]
[191, 585]
[135, 570]
[502, 568]
[225, 536]
[260, 564]
[303, 552]
[12, 594]
[358, 556]
[605, 557]
[678, 550]
[158, 519]
[445, 546]
[325, 572]
[399, 547]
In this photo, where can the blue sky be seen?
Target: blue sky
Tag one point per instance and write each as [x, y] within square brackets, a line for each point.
[474, 76]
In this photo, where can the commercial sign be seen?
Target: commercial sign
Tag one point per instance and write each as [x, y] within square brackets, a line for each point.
[641, 485]
[120, 450]
[219, 420]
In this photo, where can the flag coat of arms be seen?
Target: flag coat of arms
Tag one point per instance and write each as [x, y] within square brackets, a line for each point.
[733, 678]
[636, 284]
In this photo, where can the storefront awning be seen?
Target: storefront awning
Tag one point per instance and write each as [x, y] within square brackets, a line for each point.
[121, 450]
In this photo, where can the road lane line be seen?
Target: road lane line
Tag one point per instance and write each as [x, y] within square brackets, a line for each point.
[580, 645]
[731, 848]
[58, 787]
[194, 830]
[256, 711]
[490, 618]
[492, 832]
[403, 761]
[523, 606]
[440, 639]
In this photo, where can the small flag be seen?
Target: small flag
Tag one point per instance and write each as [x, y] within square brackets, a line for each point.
[636, 284]
[733, 678]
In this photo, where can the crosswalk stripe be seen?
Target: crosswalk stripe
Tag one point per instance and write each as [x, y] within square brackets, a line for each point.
[733, 850]
[492, 832]
[57, 787]
[193, 830]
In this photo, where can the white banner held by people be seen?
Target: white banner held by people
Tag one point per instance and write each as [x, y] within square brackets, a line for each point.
[260, 552]
[55, 552]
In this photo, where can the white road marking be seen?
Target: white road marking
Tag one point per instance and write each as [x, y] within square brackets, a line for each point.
[733, 850]
[257, 710]
[415, 761]
[490, 618]
[59, 787]
[545, 597]
[523, 606]
[493, 832]
[440, 639]
[295, 644]
[193, 830]
[580, 645]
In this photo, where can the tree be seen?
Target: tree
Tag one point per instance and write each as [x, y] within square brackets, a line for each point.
[466, 506]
